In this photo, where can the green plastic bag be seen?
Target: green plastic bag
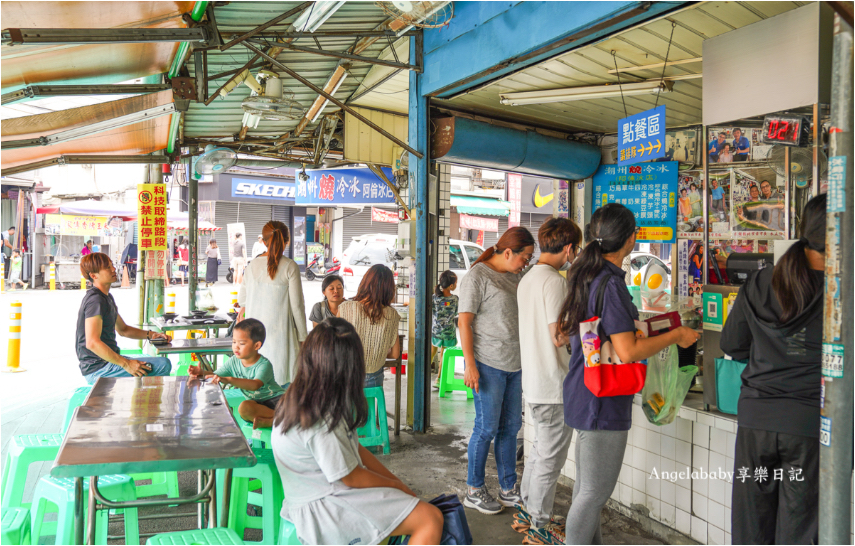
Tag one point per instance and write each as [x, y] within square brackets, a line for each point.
[666, 386]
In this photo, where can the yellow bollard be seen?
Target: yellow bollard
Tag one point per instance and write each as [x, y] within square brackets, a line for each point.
[170, 302]
[2, 275]
[82, 283]
[234, 301]
[52, 275]
[13, 355]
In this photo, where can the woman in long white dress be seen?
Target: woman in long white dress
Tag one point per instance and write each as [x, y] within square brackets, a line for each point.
[272, 292]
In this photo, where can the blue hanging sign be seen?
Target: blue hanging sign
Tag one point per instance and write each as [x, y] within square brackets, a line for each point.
[649, 191]
[641, 137]
[350, 186]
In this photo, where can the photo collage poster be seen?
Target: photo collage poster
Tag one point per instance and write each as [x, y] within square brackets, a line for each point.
[735, 145]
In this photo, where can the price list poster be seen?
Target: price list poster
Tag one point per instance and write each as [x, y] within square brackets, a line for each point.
[151, 222]
[649, 190]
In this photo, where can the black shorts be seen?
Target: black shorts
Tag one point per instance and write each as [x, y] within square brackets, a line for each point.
[271, 402]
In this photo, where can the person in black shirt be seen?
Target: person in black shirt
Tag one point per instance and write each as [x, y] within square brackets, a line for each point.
[776, 324]
[98, 322]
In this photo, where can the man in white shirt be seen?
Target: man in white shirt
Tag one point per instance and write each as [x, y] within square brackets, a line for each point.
[259, 247]
[545, 362]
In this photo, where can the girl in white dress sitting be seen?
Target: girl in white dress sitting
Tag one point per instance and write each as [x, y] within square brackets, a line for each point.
[336, 491]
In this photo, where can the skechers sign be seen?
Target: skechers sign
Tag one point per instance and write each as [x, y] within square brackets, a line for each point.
[272, 190]
[356, 186]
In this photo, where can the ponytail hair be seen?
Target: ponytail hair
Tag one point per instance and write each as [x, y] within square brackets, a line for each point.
[792, 282]
[445, 280]
[276, 245]
[516, 238]
[610, 228]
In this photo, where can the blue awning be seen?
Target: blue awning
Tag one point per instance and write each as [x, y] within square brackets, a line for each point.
[468, 204]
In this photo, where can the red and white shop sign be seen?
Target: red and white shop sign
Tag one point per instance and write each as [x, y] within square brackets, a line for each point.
[479, 224]
[515, 198]
[380, 215]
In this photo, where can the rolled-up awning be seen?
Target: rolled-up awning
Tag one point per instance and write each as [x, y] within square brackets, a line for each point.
[468, 204]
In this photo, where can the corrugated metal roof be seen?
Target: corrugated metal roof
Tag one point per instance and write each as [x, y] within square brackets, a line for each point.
[223, 117]
[643, 45]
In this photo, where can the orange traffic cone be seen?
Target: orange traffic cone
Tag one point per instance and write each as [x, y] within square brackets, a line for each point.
[126, 278]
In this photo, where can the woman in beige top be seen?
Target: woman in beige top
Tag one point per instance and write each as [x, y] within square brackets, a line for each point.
[375, 321]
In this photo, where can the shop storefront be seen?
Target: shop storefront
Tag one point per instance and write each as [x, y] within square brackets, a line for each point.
[252, 201]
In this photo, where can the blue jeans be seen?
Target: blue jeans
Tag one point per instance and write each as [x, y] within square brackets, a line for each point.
[498, 415]
[159, 366]
[374, 379]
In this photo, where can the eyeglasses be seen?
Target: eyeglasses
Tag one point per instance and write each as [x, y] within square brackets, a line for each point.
[637, 230]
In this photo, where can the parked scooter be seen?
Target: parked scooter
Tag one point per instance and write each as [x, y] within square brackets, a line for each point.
[317, 270]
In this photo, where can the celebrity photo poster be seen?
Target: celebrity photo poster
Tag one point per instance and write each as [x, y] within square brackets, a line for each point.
[757, 206]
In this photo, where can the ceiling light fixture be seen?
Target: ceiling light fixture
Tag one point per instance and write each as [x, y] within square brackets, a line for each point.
[313, 17]
[326, 101]
[584, 93]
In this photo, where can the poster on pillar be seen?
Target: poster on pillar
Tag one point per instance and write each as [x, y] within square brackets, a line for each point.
[151, 219]
[515, 198]
[155, 265]
[648, 190]
[641, 137]
[348, 186]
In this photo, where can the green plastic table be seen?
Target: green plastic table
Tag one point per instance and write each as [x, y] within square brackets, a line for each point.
[151, 424]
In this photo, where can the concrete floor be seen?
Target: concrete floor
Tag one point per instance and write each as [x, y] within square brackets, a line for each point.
[431, 464]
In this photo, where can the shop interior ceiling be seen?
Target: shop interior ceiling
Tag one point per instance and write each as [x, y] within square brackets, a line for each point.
[592, 65]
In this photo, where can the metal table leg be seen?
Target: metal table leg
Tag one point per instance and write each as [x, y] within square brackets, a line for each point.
[212, 504]
[79, 524]
[92, 515]
[398, 399]
[200, 508]
[227, 495]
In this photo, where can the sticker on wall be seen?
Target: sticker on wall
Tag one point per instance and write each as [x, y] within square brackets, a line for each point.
[825, 431]
[832, 359]
[837, 184]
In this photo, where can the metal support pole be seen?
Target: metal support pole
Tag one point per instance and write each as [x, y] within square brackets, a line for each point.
[79, 521]
[835, 452]
[91, 509]
[418, 136]
[193, 197]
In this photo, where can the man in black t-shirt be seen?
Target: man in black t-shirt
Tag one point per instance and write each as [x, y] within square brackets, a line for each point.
[98, 322]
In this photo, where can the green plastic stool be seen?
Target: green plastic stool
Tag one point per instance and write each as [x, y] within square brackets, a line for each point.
[75, 402]
[220, 535]
[60, 491]
[24, 450]
[16, 526]
[287, 534]
[447, 381]
[270, 499]
[370, 434]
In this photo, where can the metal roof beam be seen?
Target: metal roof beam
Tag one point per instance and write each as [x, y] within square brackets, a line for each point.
[335, 101]
[88, 130]
[357, 58]
[87, 160]
[51, 36]
[34, 91]
[327, 34]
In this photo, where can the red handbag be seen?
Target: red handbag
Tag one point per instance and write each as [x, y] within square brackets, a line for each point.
[605, 373]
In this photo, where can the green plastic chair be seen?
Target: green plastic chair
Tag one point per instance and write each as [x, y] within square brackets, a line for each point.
[24, 450]
[371, 434]
[270, 499]
[76, 400]
[16, 526]
[60, 492]
[220, 535]
[287, 534]
[447, 381]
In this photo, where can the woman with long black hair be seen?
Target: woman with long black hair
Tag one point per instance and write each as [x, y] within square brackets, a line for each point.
[602, 423]
[490, 339]
[776, 324]
[272, 292]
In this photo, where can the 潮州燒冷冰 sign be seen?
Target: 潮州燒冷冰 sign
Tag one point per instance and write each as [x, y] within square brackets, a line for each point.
[648, 190]
[641, 137]
[351, 186]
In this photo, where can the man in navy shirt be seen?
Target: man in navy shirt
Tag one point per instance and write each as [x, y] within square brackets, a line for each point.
[716, 146]
[741, 146]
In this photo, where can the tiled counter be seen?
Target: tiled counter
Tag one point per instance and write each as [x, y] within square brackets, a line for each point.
[697, 441]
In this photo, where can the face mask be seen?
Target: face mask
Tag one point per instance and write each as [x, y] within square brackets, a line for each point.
[565, 267]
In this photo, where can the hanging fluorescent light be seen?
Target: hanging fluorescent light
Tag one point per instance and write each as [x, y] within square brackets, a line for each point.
[584, 93]
[314, 16]
[324, 104]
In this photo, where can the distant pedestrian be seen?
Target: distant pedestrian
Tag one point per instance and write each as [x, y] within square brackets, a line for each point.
[16, 263]
[238, 258]
[258, 248]
[443, 333]
[7, 238]
[87, 248]
[214, 257]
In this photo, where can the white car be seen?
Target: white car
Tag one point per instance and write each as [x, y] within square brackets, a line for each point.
[368, 250]
[640, 261]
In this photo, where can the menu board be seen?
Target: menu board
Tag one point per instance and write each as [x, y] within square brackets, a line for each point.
[648, 190]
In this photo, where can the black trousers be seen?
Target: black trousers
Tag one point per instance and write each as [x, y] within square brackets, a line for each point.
[775, 511]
